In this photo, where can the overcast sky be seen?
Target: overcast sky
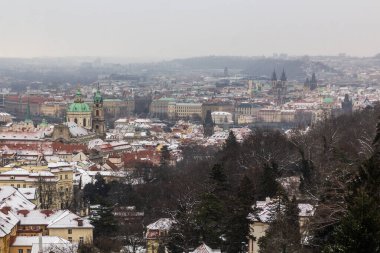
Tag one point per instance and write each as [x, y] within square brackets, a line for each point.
[155, 29]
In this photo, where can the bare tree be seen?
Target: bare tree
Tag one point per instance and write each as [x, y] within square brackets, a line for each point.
[47, 192]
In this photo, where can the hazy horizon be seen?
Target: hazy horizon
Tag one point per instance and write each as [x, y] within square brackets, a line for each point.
[151, 30]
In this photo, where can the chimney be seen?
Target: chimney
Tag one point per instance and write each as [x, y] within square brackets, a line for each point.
[40, 243]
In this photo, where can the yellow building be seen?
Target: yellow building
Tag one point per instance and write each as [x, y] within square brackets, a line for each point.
[32, 244]
[53, 109]
[8, 228]
[21, 224]
[117, 108]
[217, 107]
[54, 182]
[61, 223]
[155, 234]
[187, 110]
[260, 221]
[160, 107]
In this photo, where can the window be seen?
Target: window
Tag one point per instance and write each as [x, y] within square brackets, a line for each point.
[97, 112]
[18, 185]
[76, 121]
[60, 177]
[84, 122]
[12, 185]
[69, 231]
[28, 251]
[70, 239]
[81, 240]
[24, 185]
[20, 250]
[66, 177]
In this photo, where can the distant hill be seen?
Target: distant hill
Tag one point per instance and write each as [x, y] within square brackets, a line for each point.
[294, 68]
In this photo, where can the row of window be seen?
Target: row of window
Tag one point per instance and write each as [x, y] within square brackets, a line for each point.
[81, 240]
[19, 186]
[22, 251]
[66, 177]
[84, 121]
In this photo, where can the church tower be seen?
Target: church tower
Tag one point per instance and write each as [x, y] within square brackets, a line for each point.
[313, 82]
[208, 125]
[98, 122]
[274, 79]
[279, 88]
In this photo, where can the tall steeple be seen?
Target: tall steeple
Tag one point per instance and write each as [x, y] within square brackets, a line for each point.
[307, 83]
[283, 76]
[208, 124]
[98, 121]
[274, 76]
[78, 96]
[313, 82]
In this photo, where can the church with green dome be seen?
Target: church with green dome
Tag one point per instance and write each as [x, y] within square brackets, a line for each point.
[79, 112]
[84, 116]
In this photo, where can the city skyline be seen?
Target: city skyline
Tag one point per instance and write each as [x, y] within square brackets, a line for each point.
[157, 30]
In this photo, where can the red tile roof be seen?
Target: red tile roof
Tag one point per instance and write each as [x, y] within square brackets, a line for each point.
[69, 147]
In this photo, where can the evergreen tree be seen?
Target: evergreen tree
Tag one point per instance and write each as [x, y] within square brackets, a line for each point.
[269, 186]
[218, 178]
[105, 223]
[212, 209]
[231, 145]
[359, 229]
[237, 227]
[97, 192]
[184, 233]
[210, 219]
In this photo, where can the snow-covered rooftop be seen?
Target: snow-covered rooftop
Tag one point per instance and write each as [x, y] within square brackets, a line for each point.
[161, 224]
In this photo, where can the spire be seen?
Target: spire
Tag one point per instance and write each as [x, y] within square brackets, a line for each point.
[274, 76]
[313, 82]
[283, 76]
[313, 78]
[307, 82]
[208, 124]
[78, 96]
[98, 96]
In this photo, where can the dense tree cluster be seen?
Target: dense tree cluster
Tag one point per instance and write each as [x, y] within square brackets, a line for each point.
[210, 192]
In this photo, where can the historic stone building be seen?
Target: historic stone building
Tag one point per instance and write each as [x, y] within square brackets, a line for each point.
[279, 88]
[79, 112]
[98, 122]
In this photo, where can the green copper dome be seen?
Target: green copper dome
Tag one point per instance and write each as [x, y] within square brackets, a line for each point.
[79, 107]
[98, 97]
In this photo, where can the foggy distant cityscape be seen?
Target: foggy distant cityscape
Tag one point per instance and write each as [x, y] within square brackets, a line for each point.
[189, 126]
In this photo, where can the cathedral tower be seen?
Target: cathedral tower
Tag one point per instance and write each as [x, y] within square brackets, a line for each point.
[98, 122]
